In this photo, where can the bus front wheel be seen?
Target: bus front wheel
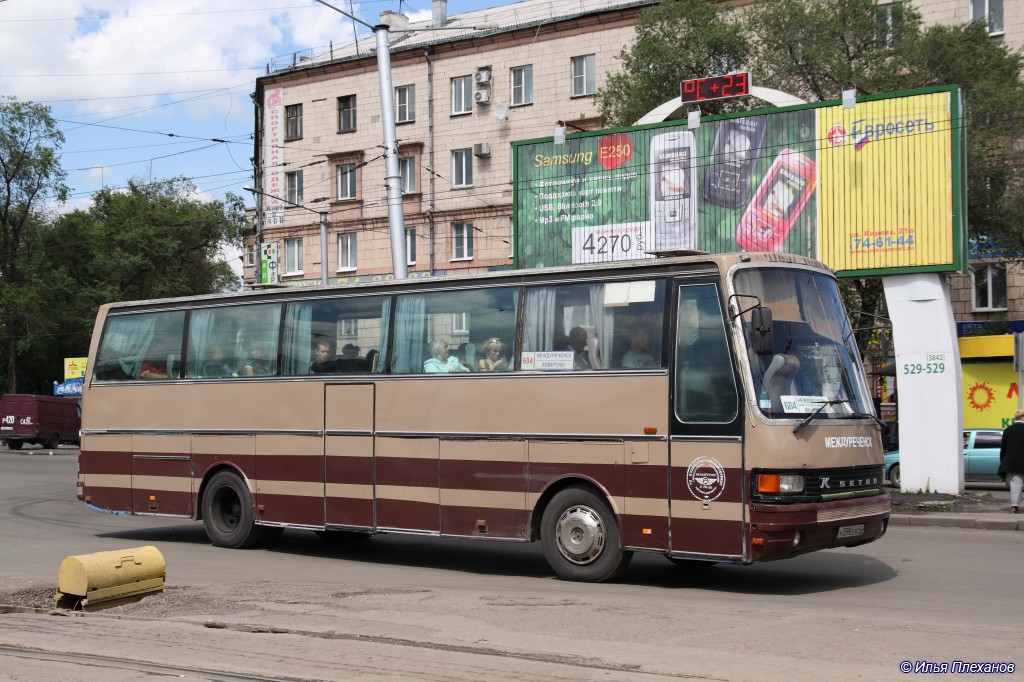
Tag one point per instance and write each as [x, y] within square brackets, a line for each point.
[228, 513]
[581, 537]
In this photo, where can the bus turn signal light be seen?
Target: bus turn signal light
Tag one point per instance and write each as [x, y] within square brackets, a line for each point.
[780, 483]
[767, 483]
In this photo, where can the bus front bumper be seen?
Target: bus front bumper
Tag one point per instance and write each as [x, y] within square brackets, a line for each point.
[778, 531]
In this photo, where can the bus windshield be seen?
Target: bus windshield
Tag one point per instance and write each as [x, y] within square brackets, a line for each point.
[813, 366]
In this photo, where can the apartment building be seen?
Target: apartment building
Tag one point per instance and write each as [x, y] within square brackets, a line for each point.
[465, 87]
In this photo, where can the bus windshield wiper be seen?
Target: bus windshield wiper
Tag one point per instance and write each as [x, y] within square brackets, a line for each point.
[812, 415]
[865, 415]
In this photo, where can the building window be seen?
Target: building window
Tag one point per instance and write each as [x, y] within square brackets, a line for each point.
[405, 103]
[293, 256]
[349, 327]
[250, 254]
[989, 11]
[293, 118]
[407, 169]
[346, 114]
[346, 181]
[584, 79]
[410, 246]
[462, 241]
[887, 17]
[460, 323]
[462, 168]
[462, 95]
[293, 187]
[522, 85]
[989, 286]
[347, 251]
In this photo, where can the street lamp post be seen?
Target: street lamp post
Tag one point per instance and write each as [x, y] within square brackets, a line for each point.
[392, 180]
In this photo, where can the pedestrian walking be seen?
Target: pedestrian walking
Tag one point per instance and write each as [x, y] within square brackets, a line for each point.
[1011, 459]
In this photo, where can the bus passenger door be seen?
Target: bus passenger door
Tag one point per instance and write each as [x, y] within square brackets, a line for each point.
[706, 450]
[348, 453]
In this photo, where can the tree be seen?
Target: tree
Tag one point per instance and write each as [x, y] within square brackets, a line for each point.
[675, 40]
[31, 176]
[150, 240]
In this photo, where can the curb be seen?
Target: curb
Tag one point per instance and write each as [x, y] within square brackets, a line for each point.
[939, 520]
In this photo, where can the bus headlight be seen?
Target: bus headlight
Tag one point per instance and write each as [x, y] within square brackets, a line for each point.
[780, 484]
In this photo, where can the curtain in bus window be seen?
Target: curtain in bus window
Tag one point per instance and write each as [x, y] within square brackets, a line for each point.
[539, 326]
[121, 353]
[705, 389]
[379, 362]
[604, 328]
[410, 334]
[298, 341]
[208, 356]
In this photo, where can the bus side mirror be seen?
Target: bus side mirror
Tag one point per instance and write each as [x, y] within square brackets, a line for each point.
[761, 337]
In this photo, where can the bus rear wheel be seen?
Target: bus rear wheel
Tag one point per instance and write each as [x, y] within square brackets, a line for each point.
[228, 513]
[14, 444]
[581, 537]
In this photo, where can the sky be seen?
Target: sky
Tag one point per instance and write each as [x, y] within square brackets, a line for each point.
[148, 89]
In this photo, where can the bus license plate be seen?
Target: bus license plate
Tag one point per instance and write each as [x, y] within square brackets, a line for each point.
[851, 531]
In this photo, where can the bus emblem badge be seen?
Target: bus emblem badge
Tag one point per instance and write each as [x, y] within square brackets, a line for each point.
[705, 478]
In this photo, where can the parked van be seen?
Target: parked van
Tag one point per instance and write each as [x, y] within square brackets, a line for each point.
[40, 419]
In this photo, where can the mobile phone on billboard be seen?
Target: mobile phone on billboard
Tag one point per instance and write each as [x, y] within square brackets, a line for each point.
[778, 202]
[674, 190]
[737, 146]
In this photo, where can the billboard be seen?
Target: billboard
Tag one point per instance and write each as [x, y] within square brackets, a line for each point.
[866, 190]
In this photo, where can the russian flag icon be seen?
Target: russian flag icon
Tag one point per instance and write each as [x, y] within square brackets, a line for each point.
[862, 142]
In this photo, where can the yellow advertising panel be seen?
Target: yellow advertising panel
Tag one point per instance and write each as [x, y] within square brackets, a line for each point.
[74, 368]
[990, 394]
[885, 183]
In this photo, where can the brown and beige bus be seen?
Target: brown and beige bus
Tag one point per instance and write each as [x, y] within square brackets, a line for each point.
[710, 408]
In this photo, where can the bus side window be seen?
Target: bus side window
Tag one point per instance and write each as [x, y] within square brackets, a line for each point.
[131, 342]
[233, 341]
[705, 390]
[354, 329]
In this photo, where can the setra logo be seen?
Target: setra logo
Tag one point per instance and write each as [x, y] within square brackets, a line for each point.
[705, 477]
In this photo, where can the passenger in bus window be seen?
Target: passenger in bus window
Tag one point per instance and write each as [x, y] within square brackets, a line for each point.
[321, 358]
[350, 362]
[494, 357]
[637, 357]
[219, 365]
[578, 344]
[258, 363]
[442, 362]
[153, 370]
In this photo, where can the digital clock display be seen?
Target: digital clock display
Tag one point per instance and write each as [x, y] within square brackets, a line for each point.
[715, 87]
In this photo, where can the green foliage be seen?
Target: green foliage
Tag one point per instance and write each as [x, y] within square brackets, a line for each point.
[151, 240]
[30, 176]
[816, 48]
[675, 40]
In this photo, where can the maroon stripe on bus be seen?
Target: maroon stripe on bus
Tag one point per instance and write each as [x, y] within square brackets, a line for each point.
[497, 523]
[202, 463]
[411, 471]
[632, 529]
[355, 470]
[483, 475]
[645, 480]
[406, 514]
[347, 511]
[290, 468]
[684, 489]
[707, 536]
[608, 475]
[290, 509]
[114, 499]
[104, 462]
[166, 502]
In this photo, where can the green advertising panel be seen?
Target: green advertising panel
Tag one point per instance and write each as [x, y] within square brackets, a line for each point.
[861, 188]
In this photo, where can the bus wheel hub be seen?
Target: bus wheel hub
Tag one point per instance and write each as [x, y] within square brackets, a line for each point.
[580, 534]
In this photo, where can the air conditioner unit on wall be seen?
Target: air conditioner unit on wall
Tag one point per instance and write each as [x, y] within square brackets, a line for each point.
[482, 96]
[482, 149]
[482, 76]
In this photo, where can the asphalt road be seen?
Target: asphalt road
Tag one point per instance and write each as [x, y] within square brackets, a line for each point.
[408, 608]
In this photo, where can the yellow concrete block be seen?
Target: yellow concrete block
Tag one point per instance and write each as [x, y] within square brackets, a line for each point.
[89, 579]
